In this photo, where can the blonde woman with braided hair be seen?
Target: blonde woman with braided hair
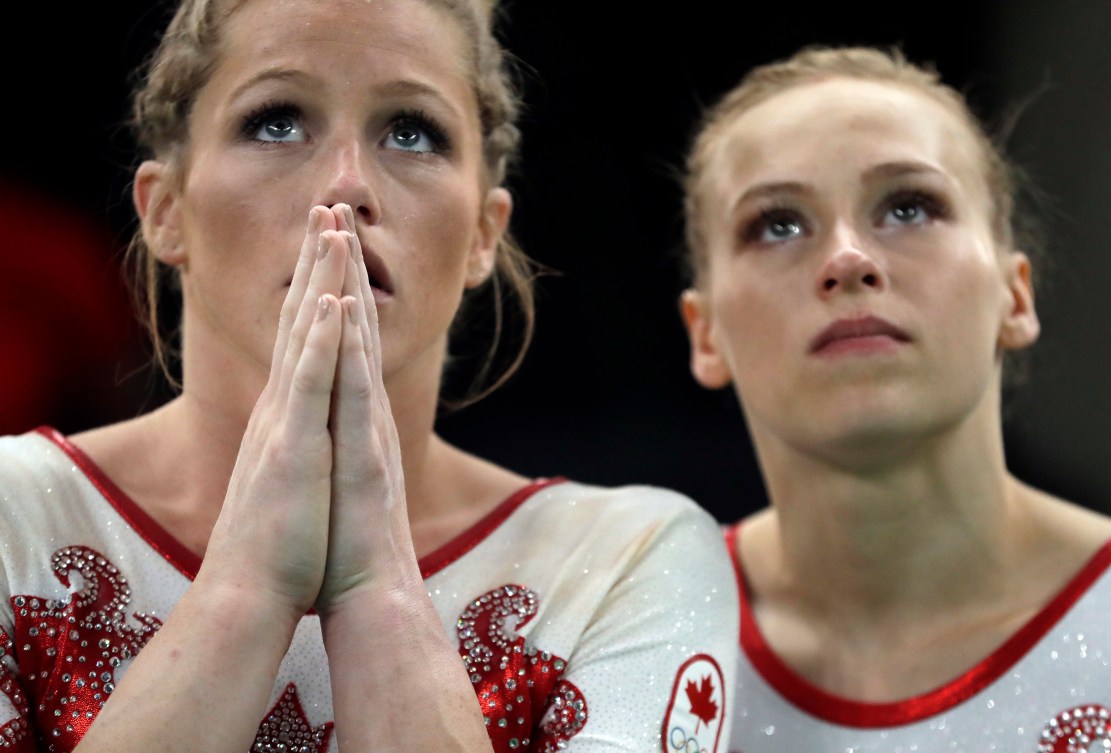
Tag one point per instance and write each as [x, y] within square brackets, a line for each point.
[286, 557]
[860, 280]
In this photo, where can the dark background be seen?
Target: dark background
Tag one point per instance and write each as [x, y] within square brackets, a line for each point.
[612, 93]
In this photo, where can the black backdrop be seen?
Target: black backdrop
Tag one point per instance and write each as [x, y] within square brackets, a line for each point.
[612, 91]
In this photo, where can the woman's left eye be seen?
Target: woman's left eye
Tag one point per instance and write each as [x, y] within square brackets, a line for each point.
[416, 134]
[912, 209]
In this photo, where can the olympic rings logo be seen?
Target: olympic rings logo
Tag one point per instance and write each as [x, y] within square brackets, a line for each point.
[680, 743]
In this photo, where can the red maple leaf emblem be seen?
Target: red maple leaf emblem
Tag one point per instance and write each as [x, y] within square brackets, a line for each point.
[702, 703]
[286, 728]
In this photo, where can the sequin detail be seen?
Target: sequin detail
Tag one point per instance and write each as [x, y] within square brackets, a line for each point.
[1076, 731]
[286, 729]
[516, 682]
[17, 730]
[68, 651]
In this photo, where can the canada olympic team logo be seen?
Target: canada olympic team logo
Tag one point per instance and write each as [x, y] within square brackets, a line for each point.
[696, 709]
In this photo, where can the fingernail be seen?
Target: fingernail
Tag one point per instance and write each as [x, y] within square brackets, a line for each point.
[349, 309]
[324, 307]
[353, 246]
[314, 220]
[322, 248]
[350, 213]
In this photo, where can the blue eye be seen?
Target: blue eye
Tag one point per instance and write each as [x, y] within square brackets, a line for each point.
[416, 131]
[782, 229]
[275, 124]
[907, 213]
[913, 208]
[411, 137]
[280, 128]
[775, 226]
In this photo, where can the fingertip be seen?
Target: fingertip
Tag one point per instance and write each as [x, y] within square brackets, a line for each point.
[321, 219]
[328, 240]
[350, 310]
[341, 212]
[315, 220]
[325, 305]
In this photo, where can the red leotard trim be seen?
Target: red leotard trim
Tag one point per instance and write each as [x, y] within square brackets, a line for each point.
[174, 552]
[847, 712]
[437, 560]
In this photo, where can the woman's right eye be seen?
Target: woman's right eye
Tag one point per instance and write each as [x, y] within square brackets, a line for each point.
[275, 125]
[774, 226]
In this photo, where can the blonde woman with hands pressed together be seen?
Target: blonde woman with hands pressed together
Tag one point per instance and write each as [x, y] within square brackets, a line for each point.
[286, 557]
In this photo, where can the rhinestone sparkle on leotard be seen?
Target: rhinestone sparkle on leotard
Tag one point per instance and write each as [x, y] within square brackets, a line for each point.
[524, 698]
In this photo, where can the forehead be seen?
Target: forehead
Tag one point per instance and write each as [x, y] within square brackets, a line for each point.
[386, 38]
[807, 132]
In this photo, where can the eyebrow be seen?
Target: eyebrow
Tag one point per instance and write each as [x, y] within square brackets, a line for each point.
[400, 87]
[766, 190]
[885, 170]
[909, 167]
[271, 74]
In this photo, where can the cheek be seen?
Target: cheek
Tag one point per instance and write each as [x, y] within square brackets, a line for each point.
[971, 300]
[750, 325]
[237, 217]
[438, 227]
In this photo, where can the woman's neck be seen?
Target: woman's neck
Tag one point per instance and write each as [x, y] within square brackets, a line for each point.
[882, 583]
[885, 585]
[931, 524]
[176, 461]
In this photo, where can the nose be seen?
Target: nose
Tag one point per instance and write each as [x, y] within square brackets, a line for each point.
[349, 178]
[849, 267]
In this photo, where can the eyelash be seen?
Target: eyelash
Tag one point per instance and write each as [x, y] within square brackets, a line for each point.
[255, 118]
[420, 119]
[769, 216]
[935, 209]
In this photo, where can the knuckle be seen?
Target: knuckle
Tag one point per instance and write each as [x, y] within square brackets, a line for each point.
[362, 391]
[290, 455]
[307, 382]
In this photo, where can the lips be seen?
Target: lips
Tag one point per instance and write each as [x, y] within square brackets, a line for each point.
[857, 331]
[379, 276]
[376, 270]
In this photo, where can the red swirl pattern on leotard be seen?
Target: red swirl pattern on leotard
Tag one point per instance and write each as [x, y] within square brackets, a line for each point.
[15, 734]
[526, 702]
[68, 650]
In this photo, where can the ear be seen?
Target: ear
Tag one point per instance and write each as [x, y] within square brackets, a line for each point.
[707, 365]
[155, 195]
[492, 224]
[1020, 327]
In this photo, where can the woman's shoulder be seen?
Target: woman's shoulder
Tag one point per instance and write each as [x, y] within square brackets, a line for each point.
[30, 454]
[528, 500]
[631, 517]
[1057, 547]
[114, 447]
[644, 501]
[1063, 524]
[43, 480]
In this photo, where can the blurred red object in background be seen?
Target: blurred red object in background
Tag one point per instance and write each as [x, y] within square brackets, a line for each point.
[67, 335]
